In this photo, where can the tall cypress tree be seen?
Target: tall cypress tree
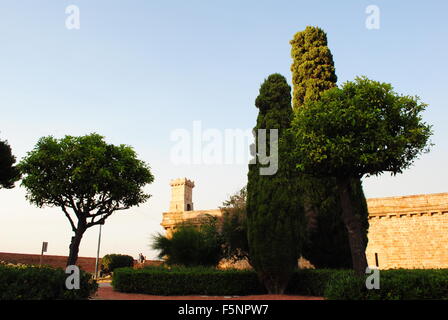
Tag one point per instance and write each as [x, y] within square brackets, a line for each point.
[313, 72]
[312, 69]
[273, 206]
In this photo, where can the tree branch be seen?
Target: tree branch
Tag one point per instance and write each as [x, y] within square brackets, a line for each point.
[69, 218]
[100, 221]
[105, 215]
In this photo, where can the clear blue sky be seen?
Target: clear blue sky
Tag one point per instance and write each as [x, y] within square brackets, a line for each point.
[137, 70]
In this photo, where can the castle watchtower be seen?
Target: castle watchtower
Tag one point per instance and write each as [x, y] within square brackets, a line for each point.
[181, 195]
[181, 207]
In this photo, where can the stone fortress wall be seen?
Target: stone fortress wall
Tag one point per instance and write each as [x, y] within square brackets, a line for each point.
[408, 231]
[405, 232]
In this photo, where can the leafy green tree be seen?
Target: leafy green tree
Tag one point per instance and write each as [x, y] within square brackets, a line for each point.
[191, 245]
[313, 73]
[87, 178]
[233, 227]
[362, 129]
[274, 213]
[9, 173]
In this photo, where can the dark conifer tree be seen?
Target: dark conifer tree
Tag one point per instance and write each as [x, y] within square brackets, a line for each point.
[273, 206]
[312, 69]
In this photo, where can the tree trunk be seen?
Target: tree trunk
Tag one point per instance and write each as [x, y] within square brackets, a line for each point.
[353, 225]
[74, 247]
[275, 284]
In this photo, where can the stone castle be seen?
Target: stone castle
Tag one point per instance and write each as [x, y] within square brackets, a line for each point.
[405, 232]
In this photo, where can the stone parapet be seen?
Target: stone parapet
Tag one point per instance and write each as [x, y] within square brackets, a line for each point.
[415, 204]
[182, 181]
[197, 217]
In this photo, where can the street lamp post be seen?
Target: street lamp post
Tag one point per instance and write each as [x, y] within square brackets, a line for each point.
[98, 253]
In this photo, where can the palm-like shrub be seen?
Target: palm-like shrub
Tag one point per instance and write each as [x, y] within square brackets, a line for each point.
[190, 245]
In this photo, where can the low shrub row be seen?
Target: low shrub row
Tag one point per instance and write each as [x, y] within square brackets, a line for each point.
[313, 282]
[331, 284]
[186, 281]
[400, 284]
[41, 283]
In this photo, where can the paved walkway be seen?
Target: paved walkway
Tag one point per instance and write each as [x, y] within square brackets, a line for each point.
[106, 292]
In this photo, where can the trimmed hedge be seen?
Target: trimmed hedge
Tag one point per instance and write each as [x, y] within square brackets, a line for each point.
[399, 284]
[185, 281]
[111, 262]
[313, 282]
[41, 283]
[331, 284]
[209, 281]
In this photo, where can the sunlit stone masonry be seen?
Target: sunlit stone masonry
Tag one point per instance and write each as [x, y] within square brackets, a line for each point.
[404, 232]
[408, 231]
[181, 206]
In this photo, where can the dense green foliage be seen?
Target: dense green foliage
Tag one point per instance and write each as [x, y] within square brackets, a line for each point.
[233, 227]
[41, 283]
[274, 215]
[327, 243]
[364, 128]
[85, 177]
[313, 282]
[8, 172]
[394, 285]
[110, 262]
[312, 69]
[331, 284]
[191, 245]
[186, 281]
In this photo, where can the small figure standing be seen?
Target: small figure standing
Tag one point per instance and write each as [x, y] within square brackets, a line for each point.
[141, 258]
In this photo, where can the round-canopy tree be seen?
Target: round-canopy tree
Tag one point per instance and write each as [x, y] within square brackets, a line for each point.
[8, 172]
[362, 129]
[87, 178]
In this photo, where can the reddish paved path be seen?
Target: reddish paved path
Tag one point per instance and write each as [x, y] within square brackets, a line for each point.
[106, 292]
